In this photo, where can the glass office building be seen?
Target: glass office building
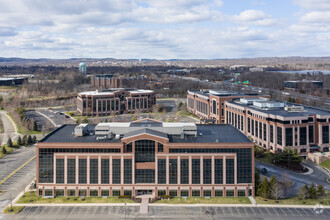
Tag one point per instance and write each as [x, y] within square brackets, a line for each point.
[145, 157]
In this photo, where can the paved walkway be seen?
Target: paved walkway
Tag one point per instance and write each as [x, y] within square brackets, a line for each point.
[144, 205]
[10, 129]
[252, 200]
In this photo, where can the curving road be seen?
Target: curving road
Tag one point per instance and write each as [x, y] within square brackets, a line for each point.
[9, 128]
[318, 176]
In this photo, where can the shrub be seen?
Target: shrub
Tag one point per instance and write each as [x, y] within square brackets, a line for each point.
[124, 197]
[4, 150]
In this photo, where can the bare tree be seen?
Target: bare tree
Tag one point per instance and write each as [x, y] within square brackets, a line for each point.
[276, 190]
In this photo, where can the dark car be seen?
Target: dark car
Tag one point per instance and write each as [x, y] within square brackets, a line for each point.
[263, 171]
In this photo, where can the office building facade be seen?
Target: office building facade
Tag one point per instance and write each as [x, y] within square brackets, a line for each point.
[275, 125]
[145, 157]
[209, 104]
[115, 101]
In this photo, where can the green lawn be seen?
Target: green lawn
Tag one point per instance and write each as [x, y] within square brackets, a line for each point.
[39, 199]
[268, 158]
[296, 201]
[203, 200]
[326, 164]
[14, 210]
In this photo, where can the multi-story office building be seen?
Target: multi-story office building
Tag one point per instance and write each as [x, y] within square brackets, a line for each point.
[145, 157]
[305, 85]
[275, 125]
[108, 81]
[115, 101]
[209, 104]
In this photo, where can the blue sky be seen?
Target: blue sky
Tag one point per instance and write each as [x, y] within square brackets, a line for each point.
[171, 29]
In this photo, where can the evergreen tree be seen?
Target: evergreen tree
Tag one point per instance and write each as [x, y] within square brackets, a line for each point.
[257, 181]
[9, 142]
[29, 140]
[85, 120]
[264, 189]
[312, 191]
[35, 126]
[303, 192]
[4, 150]
[272, 181]
[320, 190]
[24, 140]
[78, 121]
[19, 140]
[34, 139]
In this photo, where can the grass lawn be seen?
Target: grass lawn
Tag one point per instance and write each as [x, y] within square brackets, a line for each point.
[39, 199]
[268, 158]
[326, 164]
[15, 209]
[9, 150]
[9, 88]
[203, 200]
[296, 201]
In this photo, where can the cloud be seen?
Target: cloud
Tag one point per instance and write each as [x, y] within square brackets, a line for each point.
[254, 17]
[316, 17]
[313, 4]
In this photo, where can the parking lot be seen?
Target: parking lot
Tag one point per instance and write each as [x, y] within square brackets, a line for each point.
[167, 212]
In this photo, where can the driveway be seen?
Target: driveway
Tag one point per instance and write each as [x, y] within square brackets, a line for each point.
[9, 128]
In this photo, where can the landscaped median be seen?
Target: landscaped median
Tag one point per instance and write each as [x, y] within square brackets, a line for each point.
[206, 200]
[12, 210]
[325, 200]
[29, 198]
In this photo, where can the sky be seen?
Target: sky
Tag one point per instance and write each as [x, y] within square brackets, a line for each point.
[164, 29]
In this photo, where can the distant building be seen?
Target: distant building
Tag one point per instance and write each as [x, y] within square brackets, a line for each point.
[275, 125]
[209, 104]
[9, 81]
[83, 68]
[107, 81]
[145, 157]
[115, 101]
[303, 85]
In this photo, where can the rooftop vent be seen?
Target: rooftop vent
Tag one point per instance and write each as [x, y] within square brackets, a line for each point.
[294, 108]
[81, 130]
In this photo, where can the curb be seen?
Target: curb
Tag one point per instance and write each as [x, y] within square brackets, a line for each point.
[48, 118]
[18, 169]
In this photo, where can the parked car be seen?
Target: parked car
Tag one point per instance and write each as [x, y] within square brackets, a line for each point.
[263, 171]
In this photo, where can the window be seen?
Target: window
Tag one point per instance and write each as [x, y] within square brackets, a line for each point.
[249, 124]
[71, 192]
[115, 192]
[207, 171]
[230, 193]
[144, 176]
[265, 132]
[196, 193]
[161, 192]
[184, 193]
[184, 171]
[196, 171]
[82, 192]
[71, 171]
[160, 147]
[49, 192]
[311, 133]
[257, 131]
[161, 171]
[145, 151]
[218, 193]
[271, 133]
[288, 137]
[128, 192]
[252, 129]
[116, 171]
[59, 170]
[104, 193]
[218, 169]
[59, 192]
[93, 193]
[279, 135]
[230, 172]
[173, 172]
[214, 107]
[104, 171]
[82, 171]
[303, 135]
[128, 171]
[325, 134]
[241, 192]
[207, 193]
[93, 174]
[173, 193]
[129, 148]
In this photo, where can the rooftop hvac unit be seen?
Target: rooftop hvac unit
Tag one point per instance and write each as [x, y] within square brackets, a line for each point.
[294, 108]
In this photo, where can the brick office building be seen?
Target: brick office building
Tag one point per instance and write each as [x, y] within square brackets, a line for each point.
[145, 157]
[115, 101]
[275, 125]
[209, 104]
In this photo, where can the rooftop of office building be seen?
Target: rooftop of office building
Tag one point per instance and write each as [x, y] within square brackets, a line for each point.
[279, 108]
[220, 93]
[115, 90]
[174, 132]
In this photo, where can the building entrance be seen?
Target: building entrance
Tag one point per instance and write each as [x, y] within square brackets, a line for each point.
[143, 192]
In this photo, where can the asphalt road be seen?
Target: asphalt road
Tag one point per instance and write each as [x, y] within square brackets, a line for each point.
[14, 185]
[56, 117]
[9, 128]
[318, 176]
[165, 212]
[40, 120]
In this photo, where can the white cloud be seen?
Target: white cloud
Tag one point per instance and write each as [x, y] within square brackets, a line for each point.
[316, 17]
[314, 4]
[254, 17]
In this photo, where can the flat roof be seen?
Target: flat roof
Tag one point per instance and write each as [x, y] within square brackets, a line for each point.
[221, 93]
[209, 133]
[280, 111]
[113, 91]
